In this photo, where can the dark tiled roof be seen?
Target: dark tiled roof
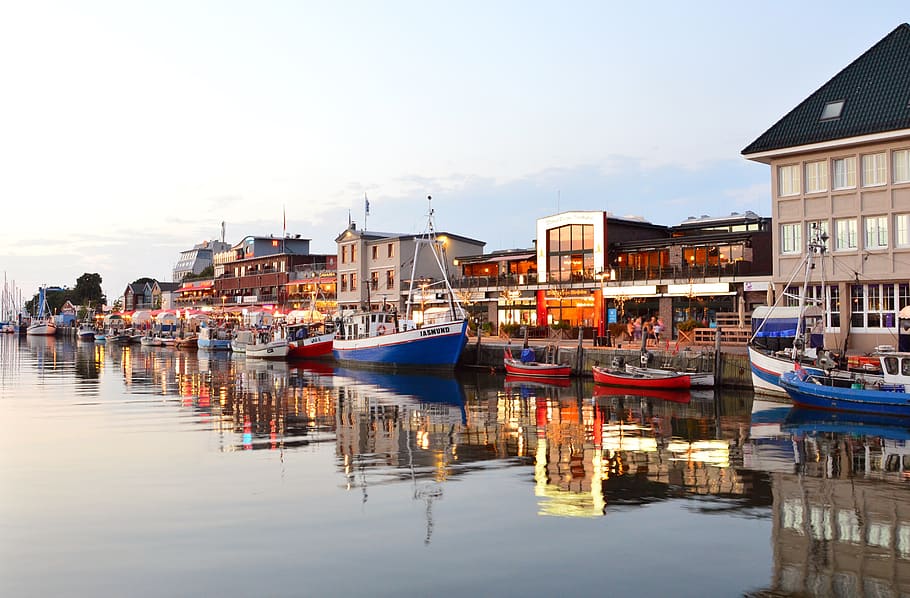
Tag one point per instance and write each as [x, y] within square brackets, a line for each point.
[875, 88]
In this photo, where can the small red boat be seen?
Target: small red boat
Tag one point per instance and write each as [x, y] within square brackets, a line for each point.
[669, 381]
[535, 369]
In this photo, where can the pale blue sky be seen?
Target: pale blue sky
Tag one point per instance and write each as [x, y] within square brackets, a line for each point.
[130, 130]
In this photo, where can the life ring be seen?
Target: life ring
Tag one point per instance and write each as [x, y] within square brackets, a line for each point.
[380, 330]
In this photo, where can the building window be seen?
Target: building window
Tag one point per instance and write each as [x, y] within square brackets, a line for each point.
[390, 278]
[816, 230]
[845, 234]
[375, 252]
[874, 170]
[832, 110]
[816, 177]
[374, 281]
[391, 250]
[570, 253]
[902, 230]
[353, 254]
[876, 232]
[845, 173]
[788, 180]
[901, 166]
[344, 283]
[791, 238]
[873, 306]
[353, 282]
[344, 254]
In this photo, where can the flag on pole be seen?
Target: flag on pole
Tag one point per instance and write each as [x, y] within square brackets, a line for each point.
[284, 222]
[366, 205]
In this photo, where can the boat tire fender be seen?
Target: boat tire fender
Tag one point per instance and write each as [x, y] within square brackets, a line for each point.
[380, 330]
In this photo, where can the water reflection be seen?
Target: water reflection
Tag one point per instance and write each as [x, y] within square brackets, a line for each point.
[841, 511]
[831, 491]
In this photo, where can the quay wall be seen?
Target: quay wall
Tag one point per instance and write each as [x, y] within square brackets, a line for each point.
[734, 370]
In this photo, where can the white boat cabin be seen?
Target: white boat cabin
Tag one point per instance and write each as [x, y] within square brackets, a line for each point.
[369, 324]
[896, 369]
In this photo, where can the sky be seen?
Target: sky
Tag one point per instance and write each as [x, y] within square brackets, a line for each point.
[129, 131]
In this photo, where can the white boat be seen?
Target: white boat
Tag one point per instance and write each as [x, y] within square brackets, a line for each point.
[785, 335]
[43, 324]
[150, 341]
[382, 338]
[213, 339]
[86, 332]
[242, 338]
[696, 379]
[273, 349]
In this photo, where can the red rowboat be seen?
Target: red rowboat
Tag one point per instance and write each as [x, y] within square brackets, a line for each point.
[536, 369]
[671, 380]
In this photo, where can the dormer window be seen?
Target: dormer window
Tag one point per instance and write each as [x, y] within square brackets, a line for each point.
[832, 110]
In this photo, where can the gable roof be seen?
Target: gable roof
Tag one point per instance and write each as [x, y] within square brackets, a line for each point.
[875, 89]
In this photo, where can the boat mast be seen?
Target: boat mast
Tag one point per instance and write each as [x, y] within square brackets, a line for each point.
[429, 238]
[816, 246]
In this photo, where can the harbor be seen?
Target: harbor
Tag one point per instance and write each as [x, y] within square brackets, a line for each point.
[214, 459]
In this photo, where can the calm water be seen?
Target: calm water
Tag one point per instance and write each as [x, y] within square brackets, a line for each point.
[155, 472]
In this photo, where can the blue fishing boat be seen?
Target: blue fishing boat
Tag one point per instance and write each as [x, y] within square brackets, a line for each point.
[386, 339]
[213, 339]
[818, 389]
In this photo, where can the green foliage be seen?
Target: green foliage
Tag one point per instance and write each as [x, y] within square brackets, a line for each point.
[688, 325]
[88, 290]
[143, 280]
[508, 328]
[562, 325]
[207, 273]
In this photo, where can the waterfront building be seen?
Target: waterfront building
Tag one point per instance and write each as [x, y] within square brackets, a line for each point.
[194, 261]
[151, 295]
[840, 165]
[277, 271]
[591, 268]
[374, 268]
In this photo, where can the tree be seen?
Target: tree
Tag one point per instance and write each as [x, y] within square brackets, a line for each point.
[88, 290]
[143, 280]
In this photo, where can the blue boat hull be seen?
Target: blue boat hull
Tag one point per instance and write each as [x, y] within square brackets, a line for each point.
[806, 393]
[404, 349]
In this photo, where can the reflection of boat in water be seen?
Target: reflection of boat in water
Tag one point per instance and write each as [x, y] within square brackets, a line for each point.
[813, 421]
[424, 388]
[677, 396]
[537, 381]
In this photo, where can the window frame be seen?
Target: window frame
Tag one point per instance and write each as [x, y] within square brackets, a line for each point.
[876, 164]
[901, 156]
[873, 228]
[792, 178]
[851, 235]
[819, 169]
[849, 173]
[791, 238]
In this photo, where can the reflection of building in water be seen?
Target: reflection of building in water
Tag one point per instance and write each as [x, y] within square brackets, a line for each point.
[843, 527]
[629, 450]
